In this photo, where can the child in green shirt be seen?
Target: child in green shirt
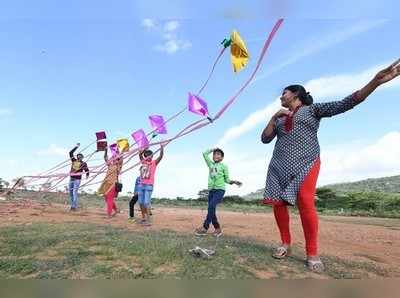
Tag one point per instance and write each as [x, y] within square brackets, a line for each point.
[217, 178]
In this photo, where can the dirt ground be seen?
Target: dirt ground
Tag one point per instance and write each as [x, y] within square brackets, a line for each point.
[372, 240]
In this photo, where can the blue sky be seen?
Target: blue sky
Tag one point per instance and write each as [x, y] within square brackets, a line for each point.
[71, 68]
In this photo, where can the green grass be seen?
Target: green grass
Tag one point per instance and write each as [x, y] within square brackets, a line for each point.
[228, 206]
[72, 250]
[366, 204]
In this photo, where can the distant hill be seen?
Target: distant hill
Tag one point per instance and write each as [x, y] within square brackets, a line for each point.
[384, 184]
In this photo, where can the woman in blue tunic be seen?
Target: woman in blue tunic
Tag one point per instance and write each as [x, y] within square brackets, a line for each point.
[294, 167]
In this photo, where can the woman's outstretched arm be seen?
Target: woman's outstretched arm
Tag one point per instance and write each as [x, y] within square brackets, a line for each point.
[384, 76]
[329, 109]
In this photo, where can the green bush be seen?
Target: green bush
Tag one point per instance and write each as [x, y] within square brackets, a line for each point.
[373, 202]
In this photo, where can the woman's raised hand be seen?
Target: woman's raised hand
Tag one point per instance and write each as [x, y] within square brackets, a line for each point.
[389, 73]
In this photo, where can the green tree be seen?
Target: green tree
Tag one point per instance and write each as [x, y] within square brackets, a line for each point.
[203, 195]
[234, 199]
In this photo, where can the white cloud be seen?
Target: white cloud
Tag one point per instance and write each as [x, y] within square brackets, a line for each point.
[377, 159]
[6, 112]
[252, 121]
[341, 163]
[322, 88]
[186, 173]
[171, 26]
[320, 43]
[169, 33]
[173, 45]
[149, 23]
[344, 84]
[329, 86]
[169, 36]
[182, 174]
[53, 150]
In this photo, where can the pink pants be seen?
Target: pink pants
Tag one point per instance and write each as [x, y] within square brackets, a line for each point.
[110, 200]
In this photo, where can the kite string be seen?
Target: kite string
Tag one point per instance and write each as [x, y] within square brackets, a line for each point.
[58, 183]
[198, 93]
[64, 176]
[212, 71]
[57, 167]
[197, 124]
[65, 163]
[164, 142]
[225, 107]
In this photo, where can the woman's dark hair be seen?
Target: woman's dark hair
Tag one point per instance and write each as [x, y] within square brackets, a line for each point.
[80, 155]
[147, 153]
[302, 94]
[219, 151]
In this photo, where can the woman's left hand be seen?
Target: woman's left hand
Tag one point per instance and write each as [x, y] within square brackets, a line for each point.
[388, 74]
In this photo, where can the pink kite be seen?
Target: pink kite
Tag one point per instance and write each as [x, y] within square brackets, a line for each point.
[197, 105]
[158, 124]
[101, 135]
[140, 138]
[114, 149]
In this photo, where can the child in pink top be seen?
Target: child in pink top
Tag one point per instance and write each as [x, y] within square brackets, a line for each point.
[147, 173]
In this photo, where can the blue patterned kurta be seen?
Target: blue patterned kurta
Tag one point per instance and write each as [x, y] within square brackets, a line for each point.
[296, 151]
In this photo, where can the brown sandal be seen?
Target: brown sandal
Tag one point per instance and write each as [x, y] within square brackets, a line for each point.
[281, 252]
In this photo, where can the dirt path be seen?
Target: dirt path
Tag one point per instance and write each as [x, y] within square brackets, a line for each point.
[353, 239]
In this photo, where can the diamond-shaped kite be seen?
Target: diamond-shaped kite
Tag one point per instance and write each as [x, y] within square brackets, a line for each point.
[158, 124]
[140, 138]
[197, 105]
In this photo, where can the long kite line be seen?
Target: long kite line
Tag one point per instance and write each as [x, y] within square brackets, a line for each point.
[239, 56]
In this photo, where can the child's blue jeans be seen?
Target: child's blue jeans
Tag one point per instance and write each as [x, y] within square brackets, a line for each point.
[215, 197]
[73, 192]
[145, 192]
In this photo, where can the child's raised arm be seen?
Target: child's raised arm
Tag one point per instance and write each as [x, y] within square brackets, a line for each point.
[106, 155]
[141, 152]
[161, 155]
[71, 153]
[207, 158]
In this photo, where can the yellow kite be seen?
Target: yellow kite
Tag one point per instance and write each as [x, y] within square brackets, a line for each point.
[239, 54]
[123, 145]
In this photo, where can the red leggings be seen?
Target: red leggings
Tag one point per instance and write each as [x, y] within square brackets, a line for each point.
[308, 213]
[110, 197]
